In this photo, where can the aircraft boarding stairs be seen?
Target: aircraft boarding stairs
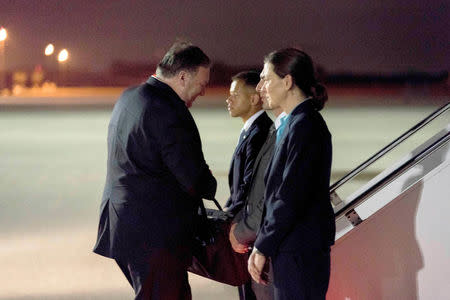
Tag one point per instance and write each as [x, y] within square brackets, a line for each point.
[393, 233]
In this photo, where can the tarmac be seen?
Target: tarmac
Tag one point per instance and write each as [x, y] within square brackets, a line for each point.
[52, 160]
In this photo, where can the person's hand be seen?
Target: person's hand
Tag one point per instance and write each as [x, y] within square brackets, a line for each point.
[237, 247]
[256, 264]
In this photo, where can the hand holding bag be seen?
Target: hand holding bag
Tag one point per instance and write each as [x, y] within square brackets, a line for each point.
[213, 256]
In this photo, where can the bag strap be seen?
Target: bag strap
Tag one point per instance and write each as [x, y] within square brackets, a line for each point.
[208, 235]
[203, 209]
[217, 204]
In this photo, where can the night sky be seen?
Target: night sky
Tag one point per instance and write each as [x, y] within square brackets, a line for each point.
[352, 35]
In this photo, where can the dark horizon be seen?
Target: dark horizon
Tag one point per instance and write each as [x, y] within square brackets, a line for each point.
[130, 73]
[342, 36]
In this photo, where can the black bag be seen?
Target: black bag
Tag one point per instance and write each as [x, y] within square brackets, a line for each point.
[213, 256]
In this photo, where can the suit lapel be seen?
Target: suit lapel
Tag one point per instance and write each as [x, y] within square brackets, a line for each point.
[251, 131]
[248, 134]
[298, 113]
[243, 141]
[268, 144]
[236, 150]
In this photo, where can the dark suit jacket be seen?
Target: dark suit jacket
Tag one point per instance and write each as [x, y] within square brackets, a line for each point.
[244, 156]
[156, 173]
[249, 219]
[299, 216]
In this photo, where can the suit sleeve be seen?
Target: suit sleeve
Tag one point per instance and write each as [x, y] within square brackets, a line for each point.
[246, 228]
[289, 201]
[180, 149]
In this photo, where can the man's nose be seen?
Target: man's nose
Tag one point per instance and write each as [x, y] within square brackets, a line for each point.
[259, 87]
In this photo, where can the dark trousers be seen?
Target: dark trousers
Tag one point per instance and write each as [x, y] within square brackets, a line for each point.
[265, 292]
[301, 276]
[159, 275]
[246, 292]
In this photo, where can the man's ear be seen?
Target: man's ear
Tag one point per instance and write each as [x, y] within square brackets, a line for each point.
[288, 82]
[182, 77]
[255, 99]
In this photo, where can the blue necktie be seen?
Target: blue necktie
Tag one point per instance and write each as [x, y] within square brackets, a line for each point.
[281, 128]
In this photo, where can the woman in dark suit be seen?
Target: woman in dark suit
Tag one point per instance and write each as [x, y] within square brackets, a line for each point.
[299, 227]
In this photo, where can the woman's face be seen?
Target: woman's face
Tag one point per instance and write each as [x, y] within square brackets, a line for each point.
[271, 87]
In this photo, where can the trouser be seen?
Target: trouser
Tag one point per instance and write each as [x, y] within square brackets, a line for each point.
[301, 275]
[246, 292]
[253, 290]
[159, 275]
[265, 292]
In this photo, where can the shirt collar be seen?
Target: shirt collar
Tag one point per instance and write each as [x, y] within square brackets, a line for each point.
[278, 119]
[252, 119]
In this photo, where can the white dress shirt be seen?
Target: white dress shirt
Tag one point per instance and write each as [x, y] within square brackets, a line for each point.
[277, 120]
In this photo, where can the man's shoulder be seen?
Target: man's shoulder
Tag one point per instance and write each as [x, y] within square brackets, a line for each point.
[147, 97]
[133, 94]
[260, 127]
[261, 123]
[264, 120]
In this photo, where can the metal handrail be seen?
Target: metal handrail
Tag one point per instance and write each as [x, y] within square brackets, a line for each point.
[393, 174]
[389, 147]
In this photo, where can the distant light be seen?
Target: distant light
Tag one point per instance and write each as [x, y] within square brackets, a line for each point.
[63, 55]
[49, 49]
[3, 34]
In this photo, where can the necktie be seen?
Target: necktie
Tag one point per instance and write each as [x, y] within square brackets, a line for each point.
[242, 136]
[281, 128]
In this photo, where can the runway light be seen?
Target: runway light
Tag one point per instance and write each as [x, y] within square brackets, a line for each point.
[3, 34]
[63, 55]
[49, 49]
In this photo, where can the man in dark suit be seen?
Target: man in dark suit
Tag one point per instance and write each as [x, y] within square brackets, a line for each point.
[156, 176]
[245, 102]
[247, 222]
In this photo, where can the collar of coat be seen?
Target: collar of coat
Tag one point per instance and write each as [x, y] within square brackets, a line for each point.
[155, 82]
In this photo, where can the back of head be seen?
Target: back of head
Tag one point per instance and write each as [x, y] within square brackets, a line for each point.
[298, 64]
[182, 56]
[249, 78]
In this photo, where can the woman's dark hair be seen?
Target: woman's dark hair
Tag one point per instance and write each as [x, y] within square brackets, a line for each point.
[298, 64]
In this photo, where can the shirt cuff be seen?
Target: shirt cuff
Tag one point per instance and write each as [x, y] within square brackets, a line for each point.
[258, 252]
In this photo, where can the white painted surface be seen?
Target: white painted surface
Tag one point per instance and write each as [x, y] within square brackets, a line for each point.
[388, 193]
[403, 250]
[403, 182]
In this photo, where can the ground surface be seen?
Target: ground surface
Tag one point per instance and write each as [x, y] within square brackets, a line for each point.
[52, 164]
